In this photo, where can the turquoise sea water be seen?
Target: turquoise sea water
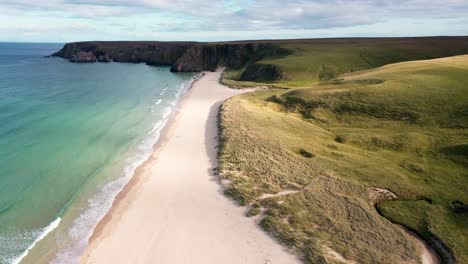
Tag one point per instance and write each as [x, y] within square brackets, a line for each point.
[71, 136]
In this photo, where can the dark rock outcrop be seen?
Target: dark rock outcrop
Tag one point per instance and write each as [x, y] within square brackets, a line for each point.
[83, 56]
[181, 56]
[236, 55]
[459, 207]
[261, 73]
[152, 53]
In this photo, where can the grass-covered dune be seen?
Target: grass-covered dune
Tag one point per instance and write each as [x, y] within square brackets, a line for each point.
[313, 60]
[334, 167]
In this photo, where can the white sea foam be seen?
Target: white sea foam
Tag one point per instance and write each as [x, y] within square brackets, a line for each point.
[163, 91]
[98, 205]
[41, 234]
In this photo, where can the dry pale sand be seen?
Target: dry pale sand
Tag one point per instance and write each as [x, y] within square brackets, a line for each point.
[173, 211]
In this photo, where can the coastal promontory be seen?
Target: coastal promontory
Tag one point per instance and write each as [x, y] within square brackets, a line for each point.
[181, 56]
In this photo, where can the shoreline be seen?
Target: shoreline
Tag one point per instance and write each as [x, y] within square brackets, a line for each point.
[68, 253]
[134, 179]
[80, 216]
[130, 197]
[164, 134]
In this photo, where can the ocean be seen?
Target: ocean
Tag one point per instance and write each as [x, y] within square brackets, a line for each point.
[71, 136]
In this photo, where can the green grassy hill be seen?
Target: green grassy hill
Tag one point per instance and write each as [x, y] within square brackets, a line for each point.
[338, 151]
[315, 60]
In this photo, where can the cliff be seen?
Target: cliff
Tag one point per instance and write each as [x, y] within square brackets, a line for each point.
[314, 60]
[181, 56]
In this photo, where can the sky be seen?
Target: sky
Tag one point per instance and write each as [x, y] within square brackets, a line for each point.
[211, 20]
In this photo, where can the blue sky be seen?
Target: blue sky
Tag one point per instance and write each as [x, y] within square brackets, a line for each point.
[209, 20]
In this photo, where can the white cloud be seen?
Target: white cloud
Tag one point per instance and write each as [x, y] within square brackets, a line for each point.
[234, 15]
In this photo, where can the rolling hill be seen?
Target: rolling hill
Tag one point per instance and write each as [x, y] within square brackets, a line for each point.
[331, 166]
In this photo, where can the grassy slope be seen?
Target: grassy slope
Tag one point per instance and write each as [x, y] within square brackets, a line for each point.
[316, 60]
[401, 127]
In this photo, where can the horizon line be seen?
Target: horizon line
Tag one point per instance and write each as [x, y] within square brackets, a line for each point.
[242, 40]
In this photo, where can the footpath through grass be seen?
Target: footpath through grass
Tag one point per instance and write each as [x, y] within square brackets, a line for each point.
[337, 151]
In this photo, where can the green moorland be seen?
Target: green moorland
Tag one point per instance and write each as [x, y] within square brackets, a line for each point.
[333, 155]
[316, 60]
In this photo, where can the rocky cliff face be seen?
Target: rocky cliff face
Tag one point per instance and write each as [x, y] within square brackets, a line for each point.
[83, 56]
[153, 53]
[261, 73]
[235, 56]
[181, 56]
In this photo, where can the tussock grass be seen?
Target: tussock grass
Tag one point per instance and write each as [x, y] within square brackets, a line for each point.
[401, 127]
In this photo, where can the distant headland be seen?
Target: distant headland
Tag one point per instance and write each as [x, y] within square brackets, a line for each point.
[207, 56]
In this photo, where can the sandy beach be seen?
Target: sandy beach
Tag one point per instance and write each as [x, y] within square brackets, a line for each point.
[174, 210]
